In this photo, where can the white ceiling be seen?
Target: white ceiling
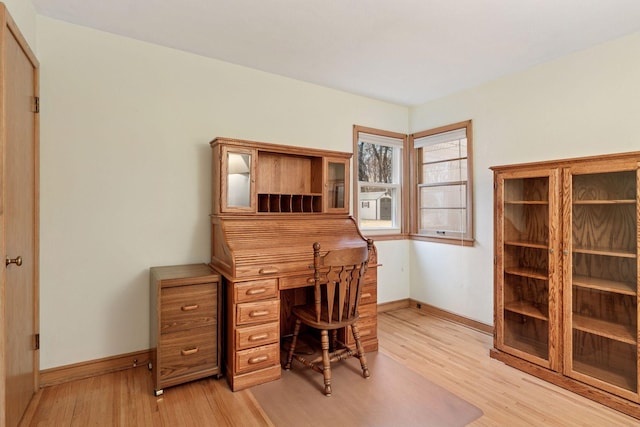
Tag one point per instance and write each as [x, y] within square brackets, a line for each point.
[402, 51]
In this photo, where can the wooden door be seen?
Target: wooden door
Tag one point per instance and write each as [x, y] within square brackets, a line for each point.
[527, 265]
[20, 223]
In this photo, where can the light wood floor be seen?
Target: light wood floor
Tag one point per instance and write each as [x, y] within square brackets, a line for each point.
[450, 355]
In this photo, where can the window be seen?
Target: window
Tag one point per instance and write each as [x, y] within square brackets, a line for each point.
[442, 208]
[380, 173]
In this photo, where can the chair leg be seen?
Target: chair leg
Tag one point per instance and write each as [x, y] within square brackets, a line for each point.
[363, 359]
[294, 341]
[334, 340]
[326, 364]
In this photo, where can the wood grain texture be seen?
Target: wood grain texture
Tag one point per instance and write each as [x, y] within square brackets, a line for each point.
[448, 354]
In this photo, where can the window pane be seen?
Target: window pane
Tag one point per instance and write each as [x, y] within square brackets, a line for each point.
[376, 207]
[445, 151]
[446, 196]
[443, 220]
[375, 163]
[452, 171]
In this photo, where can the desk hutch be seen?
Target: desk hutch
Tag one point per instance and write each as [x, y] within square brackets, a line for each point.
[270, 203]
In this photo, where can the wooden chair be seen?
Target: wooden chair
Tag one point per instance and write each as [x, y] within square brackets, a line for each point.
[338, 277]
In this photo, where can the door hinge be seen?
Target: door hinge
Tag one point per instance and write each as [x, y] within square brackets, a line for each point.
[36, 104]
[36, 342]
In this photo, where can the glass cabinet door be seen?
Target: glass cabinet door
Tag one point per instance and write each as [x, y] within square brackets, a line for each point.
[527, 247]
[601, 280]
[336, 192]
[238, 180]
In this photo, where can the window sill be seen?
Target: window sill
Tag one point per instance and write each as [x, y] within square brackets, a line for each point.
[446, 240]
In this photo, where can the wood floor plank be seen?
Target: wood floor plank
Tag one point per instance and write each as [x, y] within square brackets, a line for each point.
[448, 354]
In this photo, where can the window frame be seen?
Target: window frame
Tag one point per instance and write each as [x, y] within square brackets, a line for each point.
[416, 173]
[394, 233]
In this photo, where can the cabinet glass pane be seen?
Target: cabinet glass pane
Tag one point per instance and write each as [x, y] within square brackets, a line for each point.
[238, 180]
[335, 182]
[604, 277]
[526, 265]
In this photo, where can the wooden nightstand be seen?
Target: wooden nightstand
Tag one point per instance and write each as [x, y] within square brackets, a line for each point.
[185, 324]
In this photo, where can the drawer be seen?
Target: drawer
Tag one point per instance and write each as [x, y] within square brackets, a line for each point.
[257, 312]
[296, 281]
[252, 336]
[187, 352]
[368, 327]
[369, 294]
[367, 311]
[255, 290]
[190, 306]
[257, 358]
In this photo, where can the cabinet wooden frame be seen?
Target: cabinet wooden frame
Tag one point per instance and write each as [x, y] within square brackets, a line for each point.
[591, 305]
[306, 189]
[264, 249]
[185, 324]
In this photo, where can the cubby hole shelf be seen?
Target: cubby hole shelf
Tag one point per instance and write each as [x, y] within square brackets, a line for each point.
[289, 203]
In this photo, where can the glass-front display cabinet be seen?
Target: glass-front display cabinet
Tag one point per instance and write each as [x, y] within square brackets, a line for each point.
[527, 290]
[601, 284]
[566, 274]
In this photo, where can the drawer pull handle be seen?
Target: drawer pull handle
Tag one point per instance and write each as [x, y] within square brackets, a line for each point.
[258, 359]
[258, 337]
[256, 291]
[259, 313]
[365, 295]
[311, 280]
[190, 307]
[268, 270]
[189, 351]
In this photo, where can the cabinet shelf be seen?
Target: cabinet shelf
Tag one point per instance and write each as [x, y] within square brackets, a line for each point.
[528, 308]
[529, 346]
[615, 378]
[534, 273]
[605, 285]
[526, 244]
[605, 202]
[603, 328]
[526, 202]
[605, 251]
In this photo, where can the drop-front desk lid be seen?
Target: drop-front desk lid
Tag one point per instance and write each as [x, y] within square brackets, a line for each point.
[257, 247]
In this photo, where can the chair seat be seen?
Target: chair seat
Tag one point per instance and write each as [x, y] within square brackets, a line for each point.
[307, 313]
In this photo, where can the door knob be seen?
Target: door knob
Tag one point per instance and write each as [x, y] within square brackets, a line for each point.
[16, 261]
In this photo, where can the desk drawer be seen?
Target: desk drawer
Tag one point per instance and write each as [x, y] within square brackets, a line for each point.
[255, 290]
[257, 312]
[183, 353]
[190, 306]
[296, 281]
[257, 358]
[252, 336]
[369, 294]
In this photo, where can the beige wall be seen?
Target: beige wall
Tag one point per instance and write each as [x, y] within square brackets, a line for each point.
[584, 104]
[125, 166]
[125, 172]
[24, 14]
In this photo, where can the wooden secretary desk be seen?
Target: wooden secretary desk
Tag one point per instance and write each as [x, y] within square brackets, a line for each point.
[270, 204]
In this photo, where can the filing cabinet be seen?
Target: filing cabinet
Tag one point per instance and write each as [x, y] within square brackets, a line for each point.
[184, 324]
